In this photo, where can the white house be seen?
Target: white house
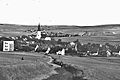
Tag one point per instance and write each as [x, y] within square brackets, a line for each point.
[48, 50]
[115, 53]
[72, 43]
[61, 52]
[48, 39]
[108, 53]
[36, 47]
[8, 45]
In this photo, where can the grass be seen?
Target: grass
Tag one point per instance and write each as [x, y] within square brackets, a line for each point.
[86, 39]
[23, 72]
[32, 67]
[100, 68]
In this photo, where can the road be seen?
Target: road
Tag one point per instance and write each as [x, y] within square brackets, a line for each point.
[95, 68]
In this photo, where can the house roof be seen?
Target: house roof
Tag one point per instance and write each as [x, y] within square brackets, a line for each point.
[5, 39]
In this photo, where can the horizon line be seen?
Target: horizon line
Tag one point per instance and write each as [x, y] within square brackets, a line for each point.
[59, 25]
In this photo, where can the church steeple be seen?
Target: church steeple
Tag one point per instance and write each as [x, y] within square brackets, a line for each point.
[39, 27]
[39, 32]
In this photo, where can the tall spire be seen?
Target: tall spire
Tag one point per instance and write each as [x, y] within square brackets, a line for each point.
[39, 27]
[39, 32]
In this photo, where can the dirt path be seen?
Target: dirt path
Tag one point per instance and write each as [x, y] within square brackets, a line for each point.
[50, 63]
[97, 68]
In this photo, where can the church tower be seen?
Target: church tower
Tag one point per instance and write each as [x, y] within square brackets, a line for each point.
[39, 32]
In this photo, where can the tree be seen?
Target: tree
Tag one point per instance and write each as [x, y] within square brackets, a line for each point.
[59, 40]
[1, 45]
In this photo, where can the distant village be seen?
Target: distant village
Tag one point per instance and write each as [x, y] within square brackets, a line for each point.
[44, 42]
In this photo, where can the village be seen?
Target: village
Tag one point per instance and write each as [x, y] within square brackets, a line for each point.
[45, 42]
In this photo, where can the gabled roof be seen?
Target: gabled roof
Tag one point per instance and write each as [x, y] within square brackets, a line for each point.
[5, 39]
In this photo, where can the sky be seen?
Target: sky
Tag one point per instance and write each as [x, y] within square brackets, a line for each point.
[60, 12]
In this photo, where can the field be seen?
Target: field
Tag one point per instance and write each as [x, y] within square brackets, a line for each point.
[97, 35]
[14, 30]
[24, 66]
[34, 66]
[95, 68]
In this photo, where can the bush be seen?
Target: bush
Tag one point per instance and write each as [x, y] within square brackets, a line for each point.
[1, 46]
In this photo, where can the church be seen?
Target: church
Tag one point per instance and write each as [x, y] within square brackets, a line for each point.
[41, 34]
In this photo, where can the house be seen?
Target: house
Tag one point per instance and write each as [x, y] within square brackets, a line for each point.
[62, 52]
[72, 43]
[48, 50]
[48, 39]
[8, 45]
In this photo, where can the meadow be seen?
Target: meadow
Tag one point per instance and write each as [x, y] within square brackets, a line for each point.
[95, 68]
[24, 66]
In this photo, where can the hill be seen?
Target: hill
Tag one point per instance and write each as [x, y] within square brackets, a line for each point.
[58, 26]
[95, 34]
[24, 66]
[95, 68]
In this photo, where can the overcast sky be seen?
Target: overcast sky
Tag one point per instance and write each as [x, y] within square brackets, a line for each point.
[60, 12]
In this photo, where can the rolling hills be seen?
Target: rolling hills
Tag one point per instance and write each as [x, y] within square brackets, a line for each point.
[99, 34]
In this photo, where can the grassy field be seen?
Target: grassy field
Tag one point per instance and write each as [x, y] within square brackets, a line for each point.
[34, 66]
[95, 68]
[87, 39]
[14, 30]
[31, 67]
